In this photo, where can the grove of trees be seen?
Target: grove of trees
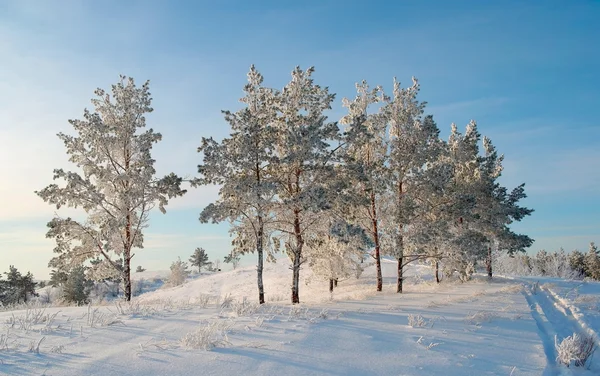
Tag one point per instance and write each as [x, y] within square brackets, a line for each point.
[290, 180]
[381, 182]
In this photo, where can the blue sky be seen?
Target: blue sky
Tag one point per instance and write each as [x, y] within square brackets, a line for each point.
[527, 71]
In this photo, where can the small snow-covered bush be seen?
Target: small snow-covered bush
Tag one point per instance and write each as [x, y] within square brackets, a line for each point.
[202, 300]
[416, 321]
[242, 307]
[207, 337]
[480, 317]
[577, 348]
[135, 309]
[179, 272]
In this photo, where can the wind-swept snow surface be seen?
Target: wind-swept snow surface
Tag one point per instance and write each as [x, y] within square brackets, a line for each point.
[206, 327]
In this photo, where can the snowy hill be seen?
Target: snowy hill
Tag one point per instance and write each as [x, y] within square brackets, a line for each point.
[206, 327]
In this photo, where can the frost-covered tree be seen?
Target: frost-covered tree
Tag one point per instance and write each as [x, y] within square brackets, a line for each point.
[199, 259]
[232, 259]
[592, 263]
[496, 208]
[365, 153]
[179, 272]
[413, 141]
[140, 269]
[304, 164]
[240, 164]
[116, 184]
[577, 262]
[336, 253]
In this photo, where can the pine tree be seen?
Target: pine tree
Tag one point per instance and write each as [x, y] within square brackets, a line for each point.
[496, 208]
[365, 156]
[232, 259]
[412, 138]
[240, 164]
[117, 189]
[592, 263]
[58, 277]
[77, 287]
[577, 262]
[304, 164]
[199, 258]
[17, 288]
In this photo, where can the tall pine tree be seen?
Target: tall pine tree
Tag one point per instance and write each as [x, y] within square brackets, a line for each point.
[117, 188]
[240, 164]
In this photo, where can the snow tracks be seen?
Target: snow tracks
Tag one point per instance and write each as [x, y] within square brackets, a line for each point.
[556, 320]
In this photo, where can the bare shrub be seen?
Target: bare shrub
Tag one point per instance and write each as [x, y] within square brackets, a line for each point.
[243, 307]
[34, 346]
[135, 309]
[416, 321]
[480, 317]
[57, 349]
[202, 300]
[6, 341]
[207, 337]
[225, 301]
[577, 348]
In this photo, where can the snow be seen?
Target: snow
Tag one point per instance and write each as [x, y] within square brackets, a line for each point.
[505, 327]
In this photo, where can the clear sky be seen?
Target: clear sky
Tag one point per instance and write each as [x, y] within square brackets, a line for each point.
[527, 71]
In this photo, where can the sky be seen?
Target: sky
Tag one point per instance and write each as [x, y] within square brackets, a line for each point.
[526, 71]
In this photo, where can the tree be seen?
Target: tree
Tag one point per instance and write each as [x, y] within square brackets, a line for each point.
[592, 262]
[412, 141]
[577, 263]
[77, 287]
[496, 208]
[17, 288]
[336, 253]
[58, 277]
[199, 258]
[304, 164]
[240, 164]
[179, 272]
[365, 156]
[140, 269]
[232, 259]
[117, 187]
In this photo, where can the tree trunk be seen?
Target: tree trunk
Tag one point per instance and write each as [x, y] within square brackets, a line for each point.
[400, 275]
[259, 268]
[127, 260]
[297, 259]
[400, 259]
[335, 282]
[296, 279]
[127, 277]
[376, 241]
[437, 271]
[331, 285]
[488, 262]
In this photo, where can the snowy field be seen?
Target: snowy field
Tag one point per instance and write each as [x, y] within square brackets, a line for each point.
[205, 327]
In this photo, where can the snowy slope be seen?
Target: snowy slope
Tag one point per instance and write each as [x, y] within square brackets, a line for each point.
[476, 328]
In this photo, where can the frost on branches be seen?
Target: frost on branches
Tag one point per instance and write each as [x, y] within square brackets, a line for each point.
[241, 165]
[304, 167]
[116, 185]
[365, 154]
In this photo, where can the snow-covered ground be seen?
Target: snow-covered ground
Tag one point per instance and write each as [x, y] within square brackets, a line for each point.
[205, 327]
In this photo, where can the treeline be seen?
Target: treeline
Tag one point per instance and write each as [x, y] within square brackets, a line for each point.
[573, 265]
[380, 182]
